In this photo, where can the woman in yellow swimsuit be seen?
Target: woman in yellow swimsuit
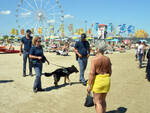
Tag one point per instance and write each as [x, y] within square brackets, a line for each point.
[99, 77]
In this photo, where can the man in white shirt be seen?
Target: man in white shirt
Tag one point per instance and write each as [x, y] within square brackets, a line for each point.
[140, 53]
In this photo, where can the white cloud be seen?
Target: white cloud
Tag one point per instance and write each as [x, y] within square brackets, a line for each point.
[51, 21]
[68, 16]
[5, 12]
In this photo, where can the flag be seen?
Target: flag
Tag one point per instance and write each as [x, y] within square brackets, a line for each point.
[51, 28]
[110, 27]
[96, 26]
[131, 29]
[32, 30]
[22, 31]
[13, 31]
[40, 30]
[123, 28]
[16, 32]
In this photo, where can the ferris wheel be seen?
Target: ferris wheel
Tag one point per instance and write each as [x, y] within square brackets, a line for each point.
[39, 15]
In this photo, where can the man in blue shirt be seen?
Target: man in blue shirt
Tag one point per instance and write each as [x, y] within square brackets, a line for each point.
[82, 50]
[27, 42]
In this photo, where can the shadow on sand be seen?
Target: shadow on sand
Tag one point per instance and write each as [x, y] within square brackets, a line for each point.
[61, 86]
[6, 81]
[119, 110]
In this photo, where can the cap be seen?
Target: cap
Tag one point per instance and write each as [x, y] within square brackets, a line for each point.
[83, 36]
[28, 31]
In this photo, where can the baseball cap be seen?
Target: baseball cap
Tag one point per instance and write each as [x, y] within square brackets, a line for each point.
[28, 31]
[83, 36]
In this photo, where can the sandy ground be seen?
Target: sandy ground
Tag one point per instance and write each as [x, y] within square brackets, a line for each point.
[129, 88]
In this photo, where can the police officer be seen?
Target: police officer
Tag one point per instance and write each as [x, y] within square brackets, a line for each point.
[26, 41]
[36, 54]
[82, 50]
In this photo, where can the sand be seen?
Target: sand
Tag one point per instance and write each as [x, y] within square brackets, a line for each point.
[129, 88]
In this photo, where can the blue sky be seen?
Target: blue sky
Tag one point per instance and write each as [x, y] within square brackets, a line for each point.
[130, 12]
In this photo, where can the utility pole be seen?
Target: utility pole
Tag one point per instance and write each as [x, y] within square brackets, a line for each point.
[85, 26]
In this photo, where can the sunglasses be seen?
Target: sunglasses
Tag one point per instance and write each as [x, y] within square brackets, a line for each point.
[38, 41]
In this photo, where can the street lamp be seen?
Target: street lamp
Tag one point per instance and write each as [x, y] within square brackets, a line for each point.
[85, 26]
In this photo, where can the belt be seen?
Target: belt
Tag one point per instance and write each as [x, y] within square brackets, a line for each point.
[84, 56]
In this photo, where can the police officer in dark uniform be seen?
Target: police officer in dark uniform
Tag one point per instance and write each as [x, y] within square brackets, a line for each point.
[82, 50]
[26, 41]
[37, 55]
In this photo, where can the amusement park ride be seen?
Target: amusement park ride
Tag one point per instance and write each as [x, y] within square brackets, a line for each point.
[40, 16]
[43, 17]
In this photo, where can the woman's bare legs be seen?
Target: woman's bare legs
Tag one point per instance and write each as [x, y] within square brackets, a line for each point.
[100, 102]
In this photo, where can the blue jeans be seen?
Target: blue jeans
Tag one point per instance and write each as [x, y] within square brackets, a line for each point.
[38, 71]
[140, 60]
[25, 57]
[82, 63]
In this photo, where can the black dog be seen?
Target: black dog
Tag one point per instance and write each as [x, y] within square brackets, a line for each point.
[62, 72]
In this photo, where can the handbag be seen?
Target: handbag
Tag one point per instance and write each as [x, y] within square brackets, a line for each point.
[89, 101]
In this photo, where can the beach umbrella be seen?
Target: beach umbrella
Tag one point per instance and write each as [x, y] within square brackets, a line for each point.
[143, 41]
[89, 38]
[109, 38]
[115, 40]
[74, 38]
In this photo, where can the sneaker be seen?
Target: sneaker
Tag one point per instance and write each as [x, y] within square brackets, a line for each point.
[24, 75]
[35, 90]
[84, 83]
[40, 89]
[30, 74]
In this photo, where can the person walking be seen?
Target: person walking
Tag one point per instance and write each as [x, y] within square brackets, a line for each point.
[26, 41]
[82, 50]
[99, 77]
[37, 55]
[140, 53]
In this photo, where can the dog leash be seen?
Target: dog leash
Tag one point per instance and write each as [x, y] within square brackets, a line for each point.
[54, 65]
[57, 65]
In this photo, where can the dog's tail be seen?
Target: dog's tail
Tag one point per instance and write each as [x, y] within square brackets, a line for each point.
[48, 74]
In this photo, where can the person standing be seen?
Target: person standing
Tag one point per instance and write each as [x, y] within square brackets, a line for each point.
[140, 53]
[36, 54]
[144, 47]
[148, 66]
[26, 41]
[136, 51]
[82, 50]
[99, 77]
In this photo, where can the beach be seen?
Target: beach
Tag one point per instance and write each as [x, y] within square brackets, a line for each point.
[129, 88]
